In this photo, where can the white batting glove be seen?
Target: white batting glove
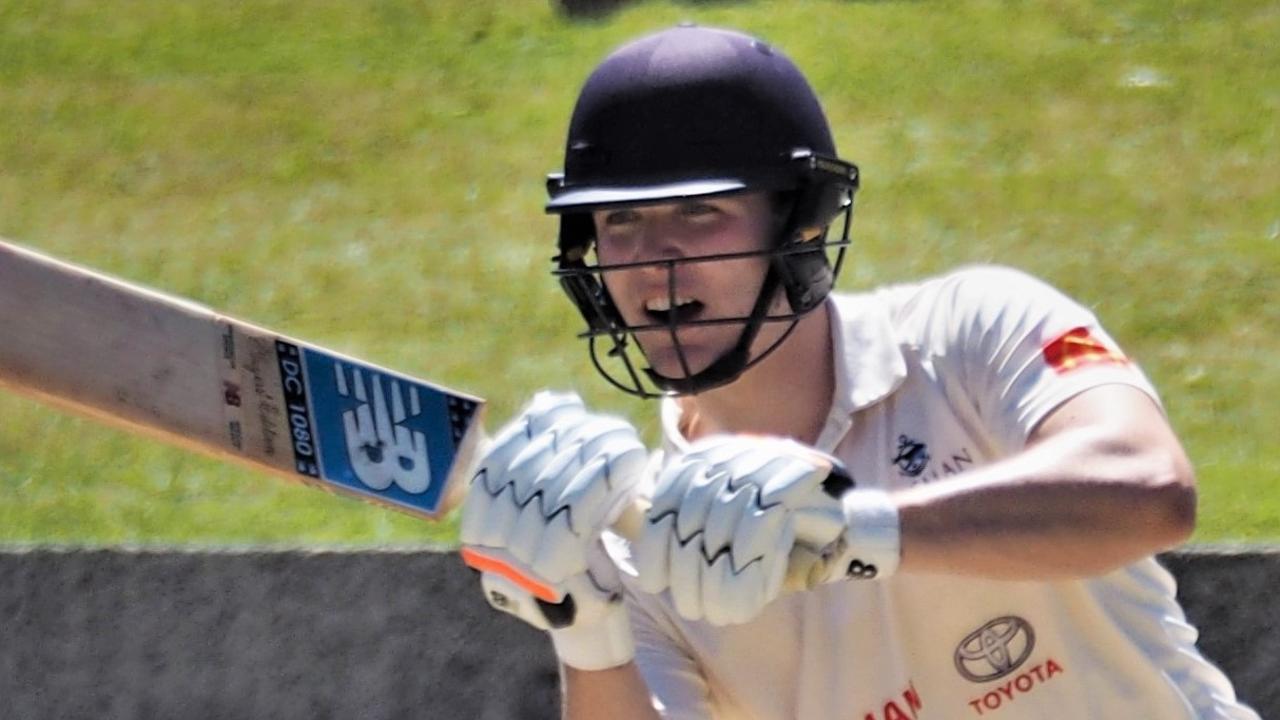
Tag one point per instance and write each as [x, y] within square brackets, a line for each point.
[730, 516]
[546, 488]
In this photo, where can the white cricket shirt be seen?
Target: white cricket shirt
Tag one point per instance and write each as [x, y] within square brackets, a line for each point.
[933, 379]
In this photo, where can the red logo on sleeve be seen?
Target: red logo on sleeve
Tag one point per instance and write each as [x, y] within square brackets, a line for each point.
[1076, 348]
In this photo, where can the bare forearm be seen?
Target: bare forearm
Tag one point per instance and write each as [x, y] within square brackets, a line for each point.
[1082, 502]
[614, 693]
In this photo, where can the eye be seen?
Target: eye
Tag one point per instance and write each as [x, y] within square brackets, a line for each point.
[620, 217]
[699, 210]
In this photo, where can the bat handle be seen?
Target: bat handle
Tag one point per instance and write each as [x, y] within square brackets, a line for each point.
[806, 567]
[630, 524]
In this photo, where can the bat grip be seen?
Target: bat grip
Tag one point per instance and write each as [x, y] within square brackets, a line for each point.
[806, 567]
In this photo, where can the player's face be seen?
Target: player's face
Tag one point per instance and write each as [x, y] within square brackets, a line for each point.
[713, 289]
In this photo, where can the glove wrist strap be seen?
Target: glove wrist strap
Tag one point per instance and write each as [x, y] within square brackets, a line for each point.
[873, 535]
[598, 646]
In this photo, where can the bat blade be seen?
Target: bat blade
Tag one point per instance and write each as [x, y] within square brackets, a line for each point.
[180, 372]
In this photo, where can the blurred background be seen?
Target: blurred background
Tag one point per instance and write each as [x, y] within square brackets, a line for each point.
[369, 176]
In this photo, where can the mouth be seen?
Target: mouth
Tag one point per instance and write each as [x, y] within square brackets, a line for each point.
[662, 311]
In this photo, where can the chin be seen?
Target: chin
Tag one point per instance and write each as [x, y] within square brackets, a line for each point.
[701, 346]
[666, 361]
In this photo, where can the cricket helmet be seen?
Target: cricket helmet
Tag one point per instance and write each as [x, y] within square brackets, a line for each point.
[691, 112]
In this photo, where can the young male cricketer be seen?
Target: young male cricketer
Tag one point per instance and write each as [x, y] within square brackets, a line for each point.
[984, 472]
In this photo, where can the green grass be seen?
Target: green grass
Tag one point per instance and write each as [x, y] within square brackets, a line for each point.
[368, 175]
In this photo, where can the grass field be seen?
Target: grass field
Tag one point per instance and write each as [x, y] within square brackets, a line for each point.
[368, 175]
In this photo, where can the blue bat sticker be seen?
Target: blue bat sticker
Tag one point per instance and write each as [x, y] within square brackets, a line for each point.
[370, 431]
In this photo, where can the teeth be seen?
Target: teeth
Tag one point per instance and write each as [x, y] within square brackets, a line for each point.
[662, 304]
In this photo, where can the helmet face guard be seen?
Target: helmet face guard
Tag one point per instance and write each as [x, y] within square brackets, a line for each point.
[689, 113]
[803, 270]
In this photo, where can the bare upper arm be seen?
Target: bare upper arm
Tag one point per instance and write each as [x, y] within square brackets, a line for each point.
[1122, 412]
[1125, 424]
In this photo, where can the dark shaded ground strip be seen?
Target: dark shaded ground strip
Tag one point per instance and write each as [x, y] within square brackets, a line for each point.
[264, 634]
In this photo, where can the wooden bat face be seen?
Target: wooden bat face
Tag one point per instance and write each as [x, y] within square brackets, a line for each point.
[180, 372]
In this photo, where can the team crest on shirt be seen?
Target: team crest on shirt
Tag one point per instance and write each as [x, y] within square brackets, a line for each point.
[915, 460]
[912, 457]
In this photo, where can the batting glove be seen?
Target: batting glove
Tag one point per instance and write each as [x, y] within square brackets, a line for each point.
[738, 519]
[546, 488]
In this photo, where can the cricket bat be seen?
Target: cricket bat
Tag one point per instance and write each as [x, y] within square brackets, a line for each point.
[187, 375]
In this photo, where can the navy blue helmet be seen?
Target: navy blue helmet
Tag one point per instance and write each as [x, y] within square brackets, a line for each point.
[691, 112]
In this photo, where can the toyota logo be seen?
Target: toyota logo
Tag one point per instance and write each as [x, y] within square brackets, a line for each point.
[995, 649]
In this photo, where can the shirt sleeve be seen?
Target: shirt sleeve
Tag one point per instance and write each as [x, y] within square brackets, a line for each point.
[1017, 348]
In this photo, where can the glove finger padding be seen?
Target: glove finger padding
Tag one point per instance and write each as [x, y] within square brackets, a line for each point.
[725, 523]
[544, 411]
[544, 490]
[599, 492]
[589, 497]
[724, 520]
[651, 552]
[492, 472]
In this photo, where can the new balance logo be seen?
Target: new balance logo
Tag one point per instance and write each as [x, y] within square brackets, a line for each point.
[383, 443]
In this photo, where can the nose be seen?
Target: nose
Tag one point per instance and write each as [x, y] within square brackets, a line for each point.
[660, 240]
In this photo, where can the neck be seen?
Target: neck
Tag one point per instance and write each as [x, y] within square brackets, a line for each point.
[787, 394]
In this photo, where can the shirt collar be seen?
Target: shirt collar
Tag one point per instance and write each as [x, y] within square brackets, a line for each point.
[869, 364]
